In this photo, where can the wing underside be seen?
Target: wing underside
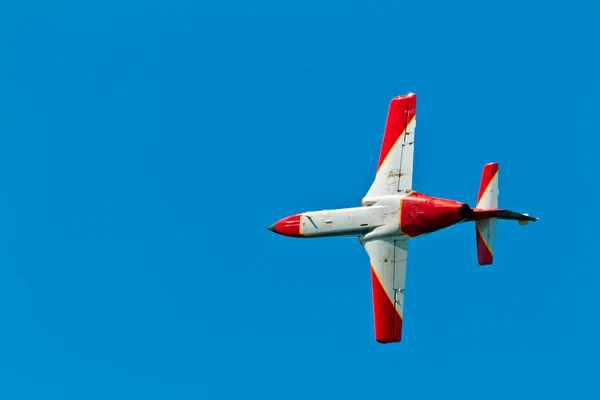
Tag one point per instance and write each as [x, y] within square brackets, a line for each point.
[395, 167]
[388, 258]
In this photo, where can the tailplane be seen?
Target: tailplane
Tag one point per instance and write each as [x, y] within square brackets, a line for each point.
[486, 214]
[487, 200]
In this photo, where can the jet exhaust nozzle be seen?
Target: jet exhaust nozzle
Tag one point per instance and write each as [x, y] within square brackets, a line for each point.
[466, 211]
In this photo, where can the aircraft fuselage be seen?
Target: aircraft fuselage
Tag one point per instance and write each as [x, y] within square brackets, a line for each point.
[408, 215]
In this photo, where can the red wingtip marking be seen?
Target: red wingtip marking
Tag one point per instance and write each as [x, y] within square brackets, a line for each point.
[401, 111]
[489, 171]
[388, 323]
[484, 255]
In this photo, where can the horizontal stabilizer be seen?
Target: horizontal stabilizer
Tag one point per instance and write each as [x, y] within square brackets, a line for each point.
[487, 201]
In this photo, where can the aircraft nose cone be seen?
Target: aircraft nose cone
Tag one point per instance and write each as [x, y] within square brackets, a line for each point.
[288, 226]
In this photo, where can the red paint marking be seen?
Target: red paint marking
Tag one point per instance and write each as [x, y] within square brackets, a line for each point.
[484, 256]
[489, 171]
[388, 322]
[289, 226]
[402, 109]
[421, 214]
[479, 213]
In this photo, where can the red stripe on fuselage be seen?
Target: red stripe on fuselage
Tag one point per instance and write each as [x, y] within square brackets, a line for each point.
[388, 322]
[401, 111]
[420, 214]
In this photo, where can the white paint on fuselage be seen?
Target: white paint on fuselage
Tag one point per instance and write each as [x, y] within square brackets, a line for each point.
[380, 219]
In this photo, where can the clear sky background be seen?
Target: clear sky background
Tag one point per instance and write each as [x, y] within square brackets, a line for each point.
[146, 146]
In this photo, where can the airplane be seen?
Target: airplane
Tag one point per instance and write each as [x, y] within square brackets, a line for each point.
[392, 213]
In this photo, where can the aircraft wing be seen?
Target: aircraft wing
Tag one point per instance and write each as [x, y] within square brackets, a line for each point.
[395, 168]
[388, 274]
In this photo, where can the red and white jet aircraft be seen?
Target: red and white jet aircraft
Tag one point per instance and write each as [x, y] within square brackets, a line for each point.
[392, 213]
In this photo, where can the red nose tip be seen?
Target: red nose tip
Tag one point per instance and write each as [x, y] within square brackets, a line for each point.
[289, 226]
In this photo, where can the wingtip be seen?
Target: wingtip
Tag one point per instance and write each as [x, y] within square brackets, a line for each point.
[404, 96]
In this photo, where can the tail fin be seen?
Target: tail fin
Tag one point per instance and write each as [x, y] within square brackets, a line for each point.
[485, 229]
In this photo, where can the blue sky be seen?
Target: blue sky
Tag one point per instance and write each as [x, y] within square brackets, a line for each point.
[147, 146]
